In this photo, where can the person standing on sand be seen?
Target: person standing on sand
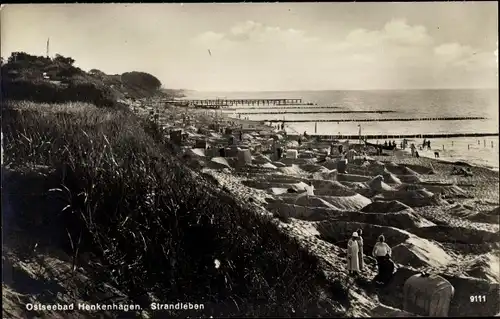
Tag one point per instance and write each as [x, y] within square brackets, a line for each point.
[412, 147]
[381, 252]
[361, 255]
[352, 255]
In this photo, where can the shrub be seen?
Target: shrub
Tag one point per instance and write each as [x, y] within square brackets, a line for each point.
[23, 79]
[47, 92]
[156, 225]
[142, 80]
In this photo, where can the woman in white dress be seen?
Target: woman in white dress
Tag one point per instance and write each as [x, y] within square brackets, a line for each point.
[352, 254]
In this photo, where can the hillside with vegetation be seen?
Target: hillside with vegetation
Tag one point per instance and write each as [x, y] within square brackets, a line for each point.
[97, 208]
[58, 80]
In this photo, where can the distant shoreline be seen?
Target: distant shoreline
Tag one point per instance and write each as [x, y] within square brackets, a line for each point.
[351, 90]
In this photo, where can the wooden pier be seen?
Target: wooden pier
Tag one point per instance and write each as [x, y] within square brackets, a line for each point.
[223, 103]
[394, 136]
[382, 120]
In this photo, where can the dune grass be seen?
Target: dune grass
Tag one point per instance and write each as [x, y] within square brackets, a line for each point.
[157, 227]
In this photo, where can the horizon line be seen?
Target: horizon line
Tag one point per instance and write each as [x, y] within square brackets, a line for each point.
[327, 90]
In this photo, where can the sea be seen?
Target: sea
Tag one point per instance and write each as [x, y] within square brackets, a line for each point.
[481, 151]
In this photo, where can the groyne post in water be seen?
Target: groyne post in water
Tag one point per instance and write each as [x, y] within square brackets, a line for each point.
[443, 147]
[468, 146]
[484, 143]
[491, 144]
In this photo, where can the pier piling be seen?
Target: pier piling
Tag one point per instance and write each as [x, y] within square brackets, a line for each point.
[400, 136]
[386, 119]
[224, 103]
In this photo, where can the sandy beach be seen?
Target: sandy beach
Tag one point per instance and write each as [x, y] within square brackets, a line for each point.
[251, 160]
[433, 219]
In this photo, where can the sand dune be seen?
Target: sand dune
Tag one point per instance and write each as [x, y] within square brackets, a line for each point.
[391, 178]
[419, 252]
[377, 184]
[352, 178]
[219, 163]
[261, 159]
[383, 311]
[293, 170]
[461, 235]
[197, 152]
[402, 220]
[314, 168]
[353, 202]
[286, 210]
[447, 191]
[310, 201]
[383, 207]
[338, 233]
[330, 164]
[297, 161]
[269, 165]
[409, 178]
[484, 267]
[331, 175]
[411, 196]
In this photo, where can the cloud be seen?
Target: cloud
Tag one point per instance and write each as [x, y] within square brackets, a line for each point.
[397, 54]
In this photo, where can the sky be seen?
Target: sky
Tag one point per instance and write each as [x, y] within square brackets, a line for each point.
[270, 46]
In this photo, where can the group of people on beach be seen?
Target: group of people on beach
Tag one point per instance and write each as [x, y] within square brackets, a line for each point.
[426, 144]
[393, 143]
[381, 252]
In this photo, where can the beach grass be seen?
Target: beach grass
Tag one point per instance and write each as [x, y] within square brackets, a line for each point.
[157, 227]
